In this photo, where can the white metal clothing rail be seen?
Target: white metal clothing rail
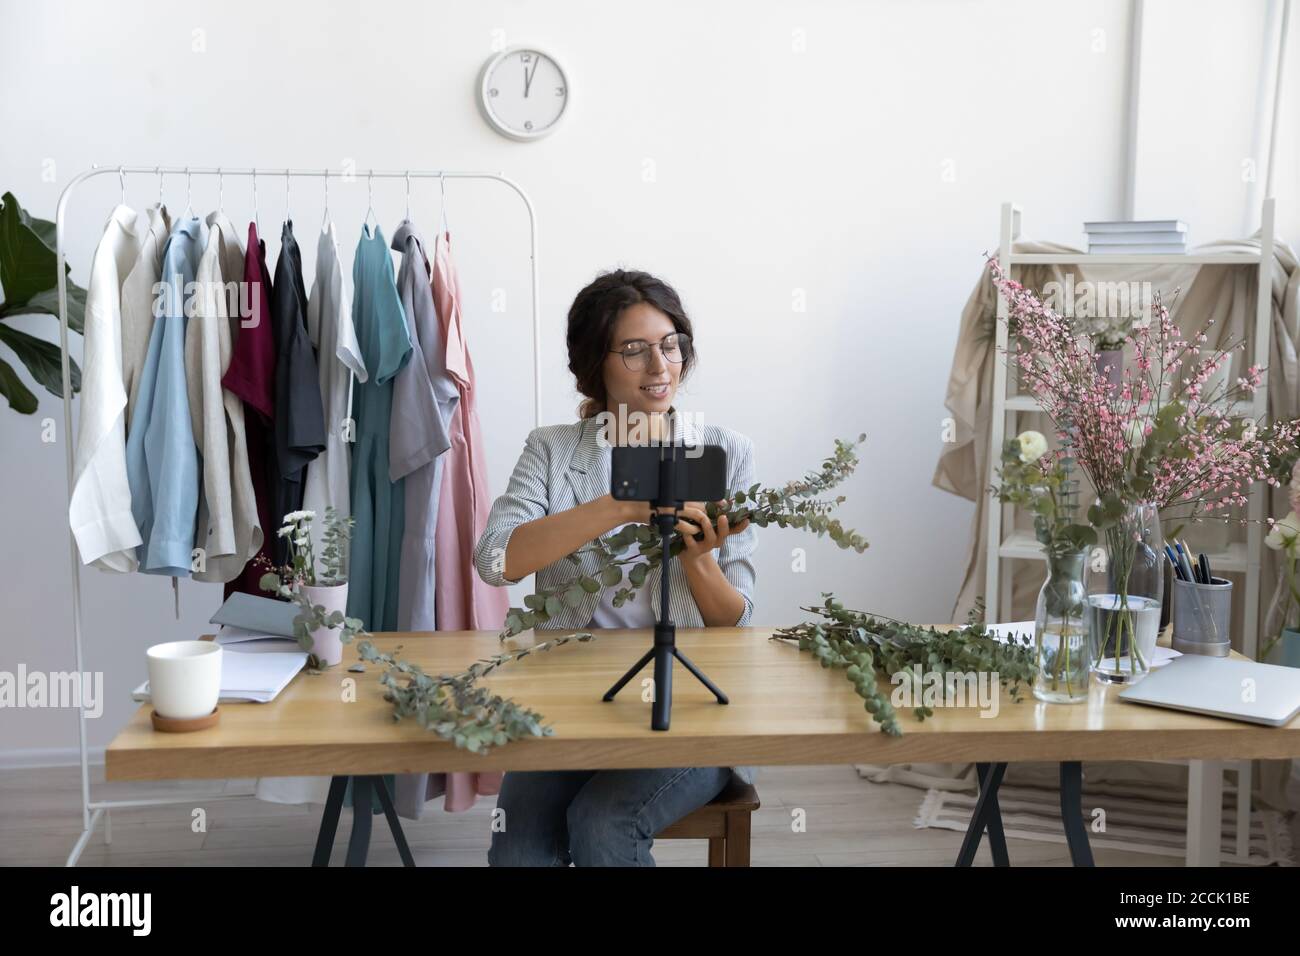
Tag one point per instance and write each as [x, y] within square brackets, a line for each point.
[93, 811]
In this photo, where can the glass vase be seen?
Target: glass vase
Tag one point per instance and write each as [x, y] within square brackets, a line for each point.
[1063, 654]
[1125, 588]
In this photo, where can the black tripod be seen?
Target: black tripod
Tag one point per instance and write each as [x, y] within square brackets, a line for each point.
[665, 646]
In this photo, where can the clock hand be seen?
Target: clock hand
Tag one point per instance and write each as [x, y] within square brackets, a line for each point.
[528, 79]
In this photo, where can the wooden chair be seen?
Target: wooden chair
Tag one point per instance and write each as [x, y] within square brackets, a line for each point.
[724, 821]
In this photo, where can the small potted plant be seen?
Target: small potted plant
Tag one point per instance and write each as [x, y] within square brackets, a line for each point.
[318, 586]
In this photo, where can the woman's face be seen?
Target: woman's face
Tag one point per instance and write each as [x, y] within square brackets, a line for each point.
[652, 388]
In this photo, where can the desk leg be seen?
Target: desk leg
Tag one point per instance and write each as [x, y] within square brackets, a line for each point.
[1204, 812]
[329, 821]
[363, 810]
[359, 841]
[394, 824]
[997, 839]
[987, 815]
[1076, 832]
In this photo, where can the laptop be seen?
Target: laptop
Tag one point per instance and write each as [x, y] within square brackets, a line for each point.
[1222, 687]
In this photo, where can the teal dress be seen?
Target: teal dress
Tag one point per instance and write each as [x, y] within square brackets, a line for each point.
[377, 502]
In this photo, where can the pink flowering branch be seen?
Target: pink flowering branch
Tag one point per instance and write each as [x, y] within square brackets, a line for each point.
[1162, 434]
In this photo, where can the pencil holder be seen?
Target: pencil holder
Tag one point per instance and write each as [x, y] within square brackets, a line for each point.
[1202, 613]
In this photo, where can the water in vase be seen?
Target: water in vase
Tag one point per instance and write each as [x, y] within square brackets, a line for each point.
[1064, 661]
[1123, 632]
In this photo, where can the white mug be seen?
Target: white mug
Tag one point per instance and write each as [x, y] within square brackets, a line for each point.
[184, 678]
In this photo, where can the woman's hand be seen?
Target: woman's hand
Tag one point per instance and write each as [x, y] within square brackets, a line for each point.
[698, 521]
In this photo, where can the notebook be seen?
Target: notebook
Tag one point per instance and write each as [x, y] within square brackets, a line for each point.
[262, 615]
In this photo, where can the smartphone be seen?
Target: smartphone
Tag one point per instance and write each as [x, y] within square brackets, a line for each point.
[638, 471]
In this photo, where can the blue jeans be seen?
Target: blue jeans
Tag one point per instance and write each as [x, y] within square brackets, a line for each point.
[594, 817]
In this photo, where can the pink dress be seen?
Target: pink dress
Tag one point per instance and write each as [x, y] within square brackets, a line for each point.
[463, 602]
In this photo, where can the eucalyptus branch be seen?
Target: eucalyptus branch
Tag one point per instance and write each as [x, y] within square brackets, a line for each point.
[797, 504]
[454, 706]
[870, 646]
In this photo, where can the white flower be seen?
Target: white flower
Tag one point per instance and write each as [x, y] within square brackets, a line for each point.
[1284, 533]
[295, 516]
[285, 531]
[1033, 445]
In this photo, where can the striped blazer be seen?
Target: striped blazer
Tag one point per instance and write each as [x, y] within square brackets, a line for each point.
[563, 466]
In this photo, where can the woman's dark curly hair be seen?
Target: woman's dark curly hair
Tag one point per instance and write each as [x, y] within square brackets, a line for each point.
[591, 327]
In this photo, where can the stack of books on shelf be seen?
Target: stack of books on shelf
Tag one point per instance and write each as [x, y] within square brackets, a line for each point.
[1137, 237]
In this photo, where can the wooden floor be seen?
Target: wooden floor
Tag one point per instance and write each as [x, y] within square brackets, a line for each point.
[850, 822]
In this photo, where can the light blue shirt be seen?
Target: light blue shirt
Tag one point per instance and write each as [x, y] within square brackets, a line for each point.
[162, 461]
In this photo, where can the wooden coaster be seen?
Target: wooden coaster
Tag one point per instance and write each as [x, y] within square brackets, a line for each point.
[173, 725]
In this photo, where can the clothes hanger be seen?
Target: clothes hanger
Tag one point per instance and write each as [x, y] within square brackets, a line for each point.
[408, 195]
[324, 224]
[370, 209]
[442, 188]
[257, 221]
[158, 170]
[288, 220]
[221, 191]
[121, 181]
[189, 206]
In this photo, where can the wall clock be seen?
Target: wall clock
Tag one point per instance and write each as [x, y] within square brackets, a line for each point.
[523, 93]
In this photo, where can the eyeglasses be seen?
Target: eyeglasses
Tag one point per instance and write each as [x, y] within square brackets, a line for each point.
[675, 348]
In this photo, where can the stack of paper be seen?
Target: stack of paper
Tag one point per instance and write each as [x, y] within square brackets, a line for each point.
[259, 653]
[243, 641]
[256, 677]
[1021, 632]
[1137, 237]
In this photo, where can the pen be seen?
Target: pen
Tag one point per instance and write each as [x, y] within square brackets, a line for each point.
[1206, 577]
[1191, 563]
[1182, 560]
[1173, 561]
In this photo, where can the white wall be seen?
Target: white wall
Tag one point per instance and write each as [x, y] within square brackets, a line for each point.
[865, 170]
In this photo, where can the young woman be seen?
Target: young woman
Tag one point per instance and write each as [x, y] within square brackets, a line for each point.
[629, 347]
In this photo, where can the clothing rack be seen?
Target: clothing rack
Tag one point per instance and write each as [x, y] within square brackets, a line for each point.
[94, 810]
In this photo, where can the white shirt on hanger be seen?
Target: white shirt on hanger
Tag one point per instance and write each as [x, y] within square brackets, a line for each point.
[138, 296]
[99, 510]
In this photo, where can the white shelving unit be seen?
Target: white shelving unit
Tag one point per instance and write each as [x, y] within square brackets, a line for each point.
[1018, 545]
[1239, 558]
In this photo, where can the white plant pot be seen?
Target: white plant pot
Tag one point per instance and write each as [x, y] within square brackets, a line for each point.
[326, 645]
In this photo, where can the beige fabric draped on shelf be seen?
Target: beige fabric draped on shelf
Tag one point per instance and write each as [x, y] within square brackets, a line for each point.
[1225, 293]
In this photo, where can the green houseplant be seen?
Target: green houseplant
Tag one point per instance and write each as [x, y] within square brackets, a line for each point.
[29, 280]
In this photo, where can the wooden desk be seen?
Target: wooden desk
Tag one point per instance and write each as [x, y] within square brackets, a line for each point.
[784, 710]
